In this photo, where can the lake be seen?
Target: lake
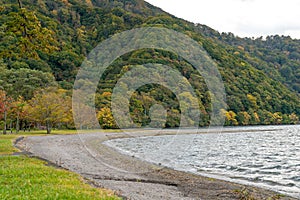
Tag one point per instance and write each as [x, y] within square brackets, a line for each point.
[263, 156]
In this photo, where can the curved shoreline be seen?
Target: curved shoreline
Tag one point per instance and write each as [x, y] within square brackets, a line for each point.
[128, 176]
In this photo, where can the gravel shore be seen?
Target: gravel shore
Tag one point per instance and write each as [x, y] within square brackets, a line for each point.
[129, 177]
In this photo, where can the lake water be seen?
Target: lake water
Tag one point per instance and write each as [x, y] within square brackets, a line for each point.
[263, 156]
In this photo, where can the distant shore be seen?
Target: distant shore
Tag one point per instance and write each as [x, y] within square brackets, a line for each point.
[130, 177]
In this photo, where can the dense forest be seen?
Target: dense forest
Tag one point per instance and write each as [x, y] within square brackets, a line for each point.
[43, 43]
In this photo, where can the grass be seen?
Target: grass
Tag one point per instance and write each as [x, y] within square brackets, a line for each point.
[6, 144]
[244, 194]
[22, 177]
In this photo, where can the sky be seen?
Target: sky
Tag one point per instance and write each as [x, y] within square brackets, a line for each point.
[244, 18]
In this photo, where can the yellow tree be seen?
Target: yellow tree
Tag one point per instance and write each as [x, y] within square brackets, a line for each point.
[17, 111]
[106, 119]
[294, 118]
[230, 117]
[24, 36]
[277, 118]
[253, 101]
[244, 118]
[50, 107]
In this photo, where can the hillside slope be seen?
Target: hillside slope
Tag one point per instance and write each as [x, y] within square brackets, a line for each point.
[261, 77]
[277, 56]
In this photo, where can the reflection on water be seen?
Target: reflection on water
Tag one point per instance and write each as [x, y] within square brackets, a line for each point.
[248, 155]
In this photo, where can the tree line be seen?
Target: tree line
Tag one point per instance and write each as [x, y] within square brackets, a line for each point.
[48, 108]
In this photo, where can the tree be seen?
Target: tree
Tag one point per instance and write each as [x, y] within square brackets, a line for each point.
[25, 36]
[17, 110]
[230, 117]
[294, 118]
[50, 107]
[243, 118]
[83, 111]
[253, 101]
[5, 104]
[106, 118]
[23, 82]
[277, 118]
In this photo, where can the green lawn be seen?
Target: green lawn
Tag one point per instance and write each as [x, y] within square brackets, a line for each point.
[6, 142]
[22, 177]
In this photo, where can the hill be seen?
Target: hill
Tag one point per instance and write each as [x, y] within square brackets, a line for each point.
[277, 56]
[261, 76]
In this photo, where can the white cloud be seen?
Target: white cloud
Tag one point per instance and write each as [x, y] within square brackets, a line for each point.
[242, 17]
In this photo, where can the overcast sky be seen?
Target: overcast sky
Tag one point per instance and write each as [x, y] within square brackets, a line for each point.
[251, 18]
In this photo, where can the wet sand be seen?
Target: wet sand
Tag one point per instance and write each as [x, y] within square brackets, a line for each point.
[130, 177]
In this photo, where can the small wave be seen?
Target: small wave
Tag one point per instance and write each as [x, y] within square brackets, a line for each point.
[272, 167]
[295, 178]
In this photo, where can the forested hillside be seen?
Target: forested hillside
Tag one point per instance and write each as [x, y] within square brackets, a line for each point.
[277, 56]
[43, 43]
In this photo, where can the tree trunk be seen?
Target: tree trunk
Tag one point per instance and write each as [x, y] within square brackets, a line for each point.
[17, 124]
[48, 127]
[20, 4]
[4, 128]
[10, 126]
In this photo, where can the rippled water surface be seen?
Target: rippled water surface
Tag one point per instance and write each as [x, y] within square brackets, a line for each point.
[247, 155]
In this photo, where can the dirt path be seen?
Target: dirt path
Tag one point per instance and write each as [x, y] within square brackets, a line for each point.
[129, 177]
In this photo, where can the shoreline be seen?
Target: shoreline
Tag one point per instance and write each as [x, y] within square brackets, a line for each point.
[128, 176]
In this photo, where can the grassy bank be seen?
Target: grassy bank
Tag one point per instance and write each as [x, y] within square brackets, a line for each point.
[22, 177]
[6, 142]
